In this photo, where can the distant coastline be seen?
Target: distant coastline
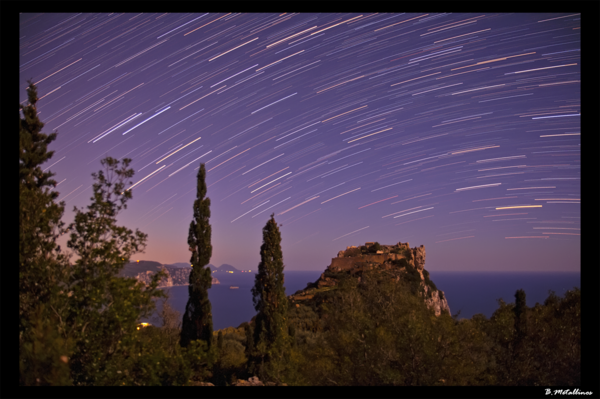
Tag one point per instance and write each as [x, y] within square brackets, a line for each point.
[174, 285]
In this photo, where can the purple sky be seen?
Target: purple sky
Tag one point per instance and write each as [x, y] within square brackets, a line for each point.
[414, 128]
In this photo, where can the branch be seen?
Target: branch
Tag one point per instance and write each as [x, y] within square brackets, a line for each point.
[60, 318]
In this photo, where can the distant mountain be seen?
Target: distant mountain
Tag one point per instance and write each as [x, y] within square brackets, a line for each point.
[187, 265]
[179, 264]
[178, 273]
[132, 269]
[225, 268]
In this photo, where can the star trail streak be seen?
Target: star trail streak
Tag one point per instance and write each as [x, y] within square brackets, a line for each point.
[381, 116]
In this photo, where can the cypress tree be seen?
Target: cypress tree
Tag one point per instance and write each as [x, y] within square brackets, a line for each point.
[197, 320]
[270, 330]
[521, 359]
[520, 309]
[249, 340]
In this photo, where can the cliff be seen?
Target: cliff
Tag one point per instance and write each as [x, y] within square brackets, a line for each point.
[175, 276]
[396, 261]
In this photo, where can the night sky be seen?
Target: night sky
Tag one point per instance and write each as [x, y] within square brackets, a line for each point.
[459, 132]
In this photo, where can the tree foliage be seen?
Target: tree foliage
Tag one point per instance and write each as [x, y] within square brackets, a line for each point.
[42, 265]
[379, 332]
[102, 310]
[78, 320]
[537, 346]
[197, 320]
[270, 301]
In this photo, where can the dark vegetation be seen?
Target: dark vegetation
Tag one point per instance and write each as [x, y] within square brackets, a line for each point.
[132, 269]
[197, 320]
[78, 321]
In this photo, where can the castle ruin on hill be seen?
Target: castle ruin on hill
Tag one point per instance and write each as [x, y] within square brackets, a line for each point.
[354, 260]
[395, 260]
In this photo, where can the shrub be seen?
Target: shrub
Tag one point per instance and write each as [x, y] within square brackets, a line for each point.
[400, 263]
[374, 248]
[352, 252]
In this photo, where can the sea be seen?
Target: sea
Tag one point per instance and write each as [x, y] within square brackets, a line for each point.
[468, 292]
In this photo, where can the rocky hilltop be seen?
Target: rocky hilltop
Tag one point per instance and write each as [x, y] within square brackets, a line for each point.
[397, 261]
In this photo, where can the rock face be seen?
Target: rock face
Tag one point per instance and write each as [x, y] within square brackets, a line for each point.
[175, 276]
[201, 384]
[419, 257]
[393, 259]
[181, 276]
[254, 382]
[436, 303]
[146, 277]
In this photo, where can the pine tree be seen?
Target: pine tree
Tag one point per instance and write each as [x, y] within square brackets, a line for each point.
[197, 320]
[40, 217]
[270, 301]
[41, 264]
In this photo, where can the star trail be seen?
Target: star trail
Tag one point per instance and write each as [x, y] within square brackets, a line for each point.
[459, 132]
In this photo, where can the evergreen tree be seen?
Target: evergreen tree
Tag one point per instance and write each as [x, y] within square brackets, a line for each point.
[249, 339]
[39, 216]
[197, 320]
[520, 317]
[41, 264]
[270, 301]
[521, 359]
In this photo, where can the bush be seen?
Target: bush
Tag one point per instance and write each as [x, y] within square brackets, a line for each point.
[374, 336]
[374, 248]
[303, 318]
[352, 252]
[401, 263]
[377, 333]
[231, 363]
[331, 274]
[44, 354]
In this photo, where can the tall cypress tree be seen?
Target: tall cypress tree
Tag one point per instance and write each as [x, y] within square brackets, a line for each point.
[270, 331]
[521, 359]
[197, 320]
[520, 309]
